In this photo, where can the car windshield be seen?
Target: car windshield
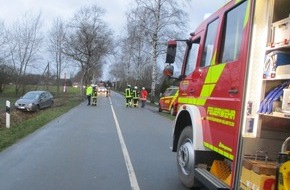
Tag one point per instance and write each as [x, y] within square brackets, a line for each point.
[170, 92]
[31, 95]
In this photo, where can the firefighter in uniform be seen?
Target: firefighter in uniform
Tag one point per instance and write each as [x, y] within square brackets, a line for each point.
[108, 92]
[135, 96]
[94, 96]
[128, 96]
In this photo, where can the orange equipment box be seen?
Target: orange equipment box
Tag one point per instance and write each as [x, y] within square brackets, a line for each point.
[258, 175]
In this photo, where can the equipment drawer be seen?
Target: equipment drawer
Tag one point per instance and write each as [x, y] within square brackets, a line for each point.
[281, 31]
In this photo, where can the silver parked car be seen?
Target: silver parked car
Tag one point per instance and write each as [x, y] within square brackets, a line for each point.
[34, 101]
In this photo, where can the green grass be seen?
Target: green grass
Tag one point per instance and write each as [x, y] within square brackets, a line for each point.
[9, 93]
[22, 124]
[167, 115]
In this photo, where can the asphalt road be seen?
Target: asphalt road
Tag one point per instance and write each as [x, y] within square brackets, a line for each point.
[95, 148]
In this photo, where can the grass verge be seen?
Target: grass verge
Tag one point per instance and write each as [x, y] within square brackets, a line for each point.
[24, 123]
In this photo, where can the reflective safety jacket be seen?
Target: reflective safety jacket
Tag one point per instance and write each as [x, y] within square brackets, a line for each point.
[89, 91]
[135, 94]
[128, 93]
[95, 94]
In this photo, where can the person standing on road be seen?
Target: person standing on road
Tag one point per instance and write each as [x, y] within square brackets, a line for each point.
[94, 96]
[135, 97]
[108, 92]
[143, 96]
[128, 96]
[89, 92]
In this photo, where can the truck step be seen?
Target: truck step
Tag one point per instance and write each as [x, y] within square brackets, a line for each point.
[209, 180]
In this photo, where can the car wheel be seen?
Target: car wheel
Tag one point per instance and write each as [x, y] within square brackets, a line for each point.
[51, 104]
[159, 108]
[172, 111]
[185, 157]
[37, 108]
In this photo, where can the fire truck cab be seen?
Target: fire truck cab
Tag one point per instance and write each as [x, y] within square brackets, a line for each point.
[231, 122]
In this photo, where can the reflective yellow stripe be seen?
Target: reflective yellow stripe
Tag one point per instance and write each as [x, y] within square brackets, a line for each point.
[194, 101]
[173, 99]
[218, 150]
[183, 100]
[214, 73]
[213, 58]
[207, 90]
[247, 16]
[128, 93]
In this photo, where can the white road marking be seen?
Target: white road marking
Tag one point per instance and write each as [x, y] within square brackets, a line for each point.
[130, 169]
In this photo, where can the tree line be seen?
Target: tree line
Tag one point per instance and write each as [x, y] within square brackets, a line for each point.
[86, 43]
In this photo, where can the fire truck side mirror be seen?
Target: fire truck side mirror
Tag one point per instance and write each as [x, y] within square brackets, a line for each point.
[168, 70]
[171, 51]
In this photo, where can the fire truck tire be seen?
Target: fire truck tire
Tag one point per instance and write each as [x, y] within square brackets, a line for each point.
[185, 158]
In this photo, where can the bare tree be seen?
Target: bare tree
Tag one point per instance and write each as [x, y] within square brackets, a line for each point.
[159, 20]
[24, 45]
[3, 39]
[136, 53]
[3, 66]
[119, 72]
[88, 41]
[56, 47]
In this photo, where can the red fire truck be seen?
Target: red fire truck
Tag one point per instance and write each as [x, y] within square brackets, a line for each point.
[232, 129]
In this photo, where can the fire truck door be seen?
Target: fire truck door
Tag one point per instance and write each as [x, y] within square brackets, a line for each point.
[225, 81]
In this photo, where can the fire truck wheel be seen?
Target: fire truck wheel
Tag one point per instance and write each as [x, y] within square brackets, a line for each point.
[185, 158]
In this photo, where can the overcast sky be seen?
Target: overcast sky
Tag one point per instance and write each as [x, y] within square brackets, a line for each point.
[10, 10]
